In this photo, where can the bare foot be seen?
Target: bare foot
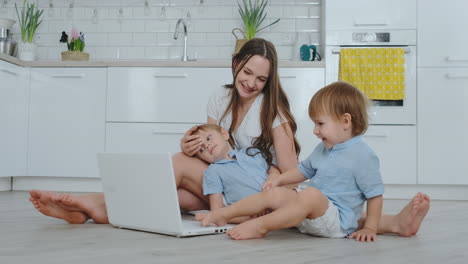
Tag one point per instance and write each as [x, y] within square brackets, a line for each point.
[211, 218]
[408, 221]
[44, 202]
[247, 230]
[92, 205]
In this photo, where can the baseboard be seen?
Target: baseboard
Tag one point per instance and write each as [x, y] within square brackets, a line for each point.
[5, 183]
[61, 184]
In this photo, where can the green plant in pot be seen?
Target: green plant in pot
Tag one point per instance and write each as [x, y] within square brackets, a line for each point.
[29, 17]
[253, 15]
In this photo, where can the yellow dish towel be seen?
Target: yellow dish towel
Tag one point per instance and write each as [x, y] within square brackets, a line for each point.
[378, 72]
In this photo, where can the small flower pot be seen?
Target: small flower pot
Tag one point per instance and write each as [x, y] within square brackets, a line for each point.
[27, 51]
[75, 56]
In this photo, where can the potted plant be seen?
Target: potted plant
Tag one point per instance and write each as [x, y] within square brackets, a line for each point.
[29, 20]
[75, 46]
[253, 14]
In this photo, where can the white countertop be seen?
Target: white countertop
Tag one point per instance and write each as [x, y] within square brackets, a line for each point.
[149, 63]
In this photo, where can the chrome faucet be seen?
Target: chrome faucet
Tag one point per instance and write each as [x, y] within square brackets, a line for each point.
[176, 35]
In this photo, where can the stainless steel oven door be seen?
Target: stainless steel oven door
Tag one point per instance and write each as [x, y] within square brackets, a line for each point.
[383, 115]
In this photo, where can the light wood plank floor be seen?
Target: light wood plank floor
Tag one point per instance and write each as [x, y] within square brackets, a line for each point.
[26, 236]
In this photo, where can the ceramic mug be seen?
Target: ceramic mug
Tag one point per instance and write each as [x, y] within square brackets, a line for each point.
[306, 55]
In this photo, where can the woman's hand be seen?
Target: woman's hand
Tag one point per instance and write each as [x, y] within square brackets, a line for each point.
[190, 144]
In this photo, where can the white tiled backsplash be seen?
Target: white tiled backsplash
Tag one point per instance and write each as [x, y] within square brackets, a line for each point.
[140, 30]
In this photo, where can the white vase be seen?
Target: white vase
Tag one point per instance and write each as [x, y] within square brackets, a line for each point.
[27, 51]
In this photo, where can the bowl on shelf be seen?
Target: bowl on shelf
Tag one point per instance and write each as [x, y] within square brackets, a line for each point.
[6, 23]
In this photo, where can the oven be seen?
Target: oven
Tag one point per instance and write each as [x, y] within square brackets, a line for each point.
[382, 112]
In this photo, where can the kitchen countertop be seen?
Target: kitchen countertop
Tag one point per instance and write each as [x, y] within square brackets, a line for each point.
[149, 63]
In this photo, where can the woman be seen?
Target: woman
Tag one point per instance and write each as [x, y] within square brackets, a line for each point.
[255, 110]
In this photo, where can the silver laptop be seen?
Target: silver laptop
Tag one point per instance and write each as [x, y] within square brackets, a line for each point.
[140, 194]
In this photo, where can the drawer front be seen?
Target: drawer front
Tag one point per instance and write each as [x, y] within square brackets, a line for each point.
[144, 137]
[441, 32]
[370, 14]
[162, 94]
[396, 148]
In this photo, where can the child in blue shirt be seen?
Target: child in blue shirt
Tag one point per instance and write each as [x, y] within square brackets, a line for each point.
[343, 172]
[232, 174]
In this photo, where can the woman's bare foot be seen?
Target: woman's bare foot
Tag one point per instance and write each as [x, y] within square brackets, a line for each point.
[45, 203]
[92, 205]
[211, 218]
[408, 221]
[247, 230]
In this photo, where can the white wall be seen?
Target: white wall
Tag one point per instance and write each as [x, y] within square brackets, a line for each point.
[125, 30]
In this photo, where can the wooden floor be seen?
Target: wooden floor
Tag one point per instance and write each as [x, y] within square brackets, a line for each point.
[26, 236]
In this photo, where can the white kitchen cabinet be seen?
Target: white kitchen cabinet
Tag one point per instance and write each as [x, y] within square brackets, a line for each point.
[396, 148]
[162, 94]
[67, 121]
[370, 14]
[149, 109]
[14, 97]
[443, 125]
[300, 84]
[442, 36]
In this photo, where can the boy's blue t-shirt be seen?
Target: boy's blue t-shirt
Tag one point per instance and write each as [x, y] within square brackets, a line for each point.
[237, 178]
[348, 174]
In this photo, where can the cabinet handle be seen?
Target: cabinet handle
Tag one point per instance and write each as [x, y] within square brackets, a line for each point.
[377, 22]
[165, 132]
[171, 76]
[288, 77]
[451, 58]
[376, 135]
[68, 76]
[456, 76]
[9, 72]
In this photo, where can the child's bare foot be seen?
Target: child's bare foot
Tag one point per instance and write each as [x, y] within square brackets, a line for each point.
[92, 205]
[44, 202]
[211, 218]
[247, 230]
[411, 216]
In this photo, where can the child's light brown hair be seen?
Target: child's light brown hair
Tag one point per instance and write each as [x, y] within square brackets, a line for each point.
[338, 99]
[217, 128]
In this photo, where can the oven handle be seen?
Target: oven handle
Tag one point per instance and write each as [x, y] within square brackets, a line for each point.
[338, 51]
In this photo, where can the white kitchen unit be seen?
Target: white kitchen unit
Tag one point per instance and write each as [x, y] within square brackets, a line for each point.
[67, 121]
[442, 92]
[443, 125]
[300, 84]
[370, 14]
[442, 33]
[149, 109]
[14, 99]
[395, 146]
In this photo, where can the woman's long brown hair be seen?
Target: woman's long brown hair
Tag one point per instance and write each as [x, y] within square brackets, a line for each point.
[275, 103]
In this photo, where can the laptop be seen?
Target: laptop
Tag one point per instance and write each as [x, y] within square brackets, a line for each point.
[140, 194]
